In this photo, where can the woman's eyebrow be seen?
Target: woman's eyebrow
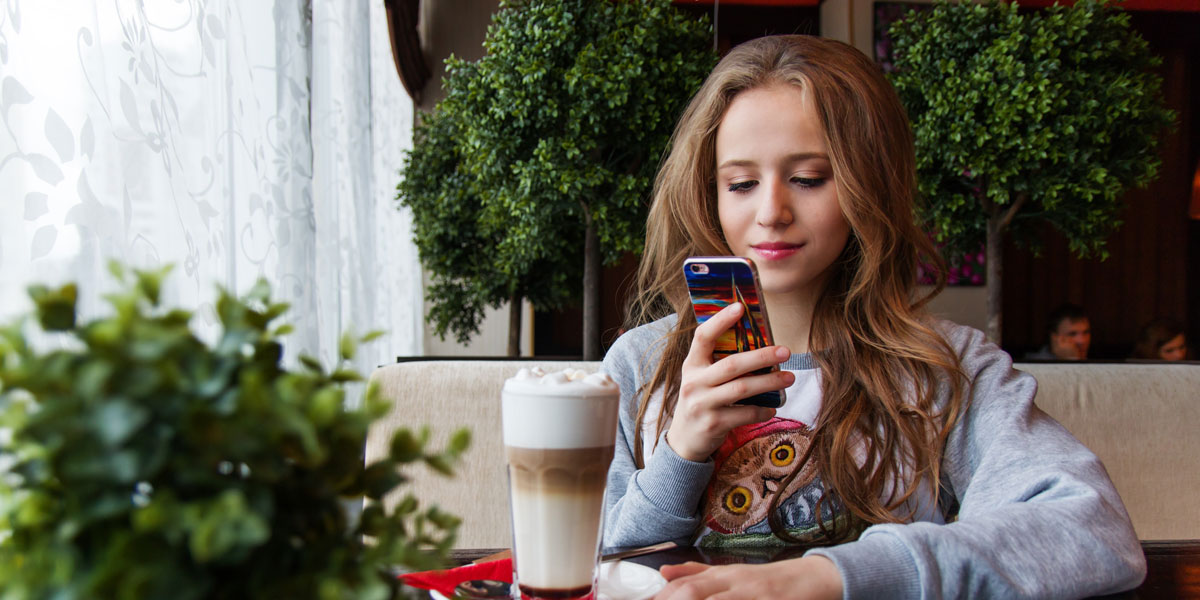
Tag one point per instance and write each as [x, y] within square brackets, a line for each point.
[798, 156]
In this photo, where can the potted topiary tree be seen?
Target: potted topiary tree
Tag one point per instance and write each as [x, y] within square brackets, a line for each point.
[141, 462]
[537, 166]
[1027, 118]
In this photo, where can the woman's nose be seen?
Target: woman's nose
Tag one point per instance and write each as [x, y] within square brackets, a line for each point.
[774, 208]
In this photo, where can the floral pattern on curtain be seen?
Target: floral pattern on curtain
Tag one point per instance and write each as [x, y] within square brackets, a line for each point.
[237, 140]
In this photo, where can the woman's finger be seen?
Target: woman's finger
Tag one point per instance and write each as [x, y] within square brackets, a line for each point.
[704, 340]
[747, 363]
[716, 386]
[742, 363]
[689, 582]
[670, 572]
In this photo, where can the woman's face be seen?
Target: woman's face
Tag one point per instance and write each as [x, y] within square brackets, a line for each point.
[777, 199]
[1174, 349]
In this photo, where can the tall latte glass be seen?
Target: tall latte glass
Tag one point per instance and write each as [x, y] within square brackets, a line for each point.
[559, 431]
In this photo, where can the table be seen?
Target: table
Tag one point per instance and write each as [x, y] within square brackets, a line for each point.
[1172, 566]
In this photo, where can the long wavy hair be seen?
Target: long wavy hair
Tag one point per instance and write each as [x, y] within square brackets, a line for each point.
[880, 431]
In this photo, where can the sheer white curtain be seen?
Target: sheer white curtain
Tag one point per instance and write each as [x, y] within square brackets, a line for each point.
[234, 139]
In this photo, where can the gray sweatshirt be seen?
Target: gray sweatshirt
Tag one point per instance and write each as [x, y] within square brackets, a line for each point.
[1037, 514]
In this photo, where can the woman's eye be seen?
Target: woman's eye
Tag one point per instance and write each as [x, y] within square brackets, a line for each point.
[742, 186]
[809, 182]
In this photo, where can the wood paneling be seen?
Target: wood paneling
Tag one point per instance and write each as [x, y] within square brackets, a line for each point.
[560, 333]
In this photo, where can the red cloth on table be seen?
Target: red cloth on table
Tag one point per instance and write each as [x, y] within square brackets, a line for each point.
[445, 581]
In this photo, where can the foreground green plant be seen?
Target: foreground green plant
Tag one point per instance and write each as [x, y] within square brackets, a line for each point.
[141, 462]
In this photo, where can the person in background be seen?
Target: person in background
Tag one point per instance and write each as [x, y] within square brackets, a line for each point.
[1161, 339]
[1069, 335]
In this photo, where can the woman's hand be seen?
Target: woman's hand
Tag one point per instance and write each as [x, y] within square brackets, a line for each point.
[705, 410]
[809, 577]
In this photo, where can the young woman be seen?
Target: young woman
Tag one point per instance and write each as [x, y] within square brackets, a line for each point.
[909, 458]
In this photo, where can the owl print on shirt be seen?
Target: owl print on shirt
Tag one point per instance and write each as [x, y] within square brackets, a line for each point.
[752, 468]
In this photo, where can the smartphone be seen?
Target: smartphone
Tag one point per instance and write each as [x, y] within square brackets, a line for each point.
[715, 282]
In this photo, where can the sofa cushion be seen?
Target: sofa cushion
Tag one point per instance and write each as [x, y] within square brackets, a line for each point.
[1141, 420]
[447, 395]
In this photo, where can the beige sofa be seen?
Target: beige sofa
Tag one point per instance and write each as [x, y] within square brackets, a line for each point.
[1142, 420]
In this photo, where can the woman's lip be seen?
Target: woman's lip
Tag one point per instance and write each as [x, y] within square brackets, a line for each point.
[776, 250]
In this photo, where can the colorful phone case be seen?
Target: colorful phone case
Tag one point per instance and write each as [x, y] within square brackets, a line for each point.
[716, 282]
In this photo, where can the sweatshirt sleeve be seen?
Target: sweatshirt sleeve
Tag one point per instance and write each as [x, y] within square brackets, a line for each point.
[1038, 516]
[662, 501]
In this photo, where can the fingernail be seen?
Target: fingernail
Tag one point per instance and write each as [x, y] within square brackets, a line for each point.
[782, 352]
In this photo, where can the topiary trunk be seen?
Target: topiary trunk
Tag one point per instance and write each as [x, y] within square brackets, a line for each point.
[995, 269]
[998, 221]
[514, 325]
[591, 291]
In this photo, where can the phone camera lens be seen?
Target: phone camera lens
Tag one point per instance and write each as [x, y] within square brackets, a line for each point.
[698, 269]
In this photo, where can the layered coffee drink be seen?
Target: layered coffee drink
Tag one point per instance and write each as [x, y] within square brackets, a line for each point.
[559, 431]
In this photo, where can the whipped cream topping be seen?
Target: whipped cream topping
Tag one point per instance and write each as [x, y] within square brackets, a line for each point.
[564, 409]
[539, 377]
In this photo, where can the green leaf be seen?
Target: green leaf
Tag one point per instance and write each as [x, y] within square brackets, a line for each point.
[149, 283]
[276, 309]
[259, 293]
[405, 447]
[226, 529]
[442, 519]
[326, 405]
[441, 464]
[460, 440]
[379, 479]
[313, 364]
[407, 505]
[347, 346]
[345, 375]
[117, 420]
[55, 308]
[117, 270]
